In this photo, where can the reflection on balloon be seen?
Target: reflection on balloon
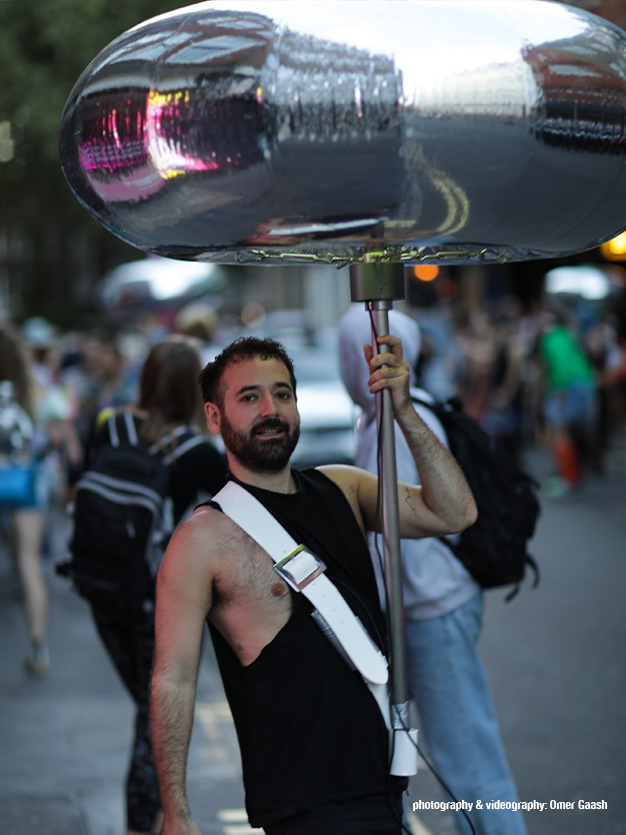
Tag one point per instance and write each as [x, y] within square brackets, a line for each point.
[410, 130]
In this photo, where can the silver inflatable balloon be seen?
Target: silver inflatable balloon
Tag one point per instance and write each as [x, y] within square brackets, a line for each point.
[411, 130]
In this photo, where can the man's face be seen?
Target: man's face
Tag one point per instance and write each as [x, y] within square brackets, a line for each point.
[259, 422]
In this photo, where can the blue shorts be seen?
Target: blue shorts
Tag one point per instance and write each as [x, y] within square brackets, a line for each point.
[40, 495]
[574, 406]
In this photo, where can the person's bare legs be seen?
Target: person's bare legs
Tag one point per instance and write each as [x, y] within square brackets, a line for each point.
[28, 528]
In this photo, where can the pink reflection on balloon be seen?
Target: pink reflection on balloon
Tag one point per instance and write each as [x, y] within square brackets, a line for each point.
[114, 139]
[163, 111]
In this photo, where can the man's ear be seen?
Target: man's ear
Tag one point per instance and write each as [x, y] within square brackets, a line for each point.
[213, 418]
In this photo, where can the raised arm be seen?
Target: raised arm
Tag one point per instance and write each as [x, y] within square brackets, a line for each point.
[444, 503]
[183, 602]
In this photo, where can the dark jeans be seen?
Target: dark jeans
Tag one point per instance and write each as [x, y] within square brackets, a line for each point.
[371, 815]
[131, 648]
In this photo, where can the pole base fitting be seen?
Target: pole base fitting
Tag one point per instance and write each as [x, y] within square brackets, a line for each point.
[404, 761]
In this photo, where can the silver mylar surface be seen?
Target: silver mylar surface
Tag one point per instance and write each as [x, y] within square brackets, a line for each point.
[412, 130]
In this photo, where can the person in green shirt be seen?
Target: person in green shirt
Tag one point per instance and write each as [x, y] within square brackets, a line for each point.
[570, 402]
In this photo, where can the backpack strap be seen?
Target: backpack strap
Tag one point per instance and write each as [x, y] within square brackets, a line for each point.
[432, 406]
[112, 424]
[122, 431]
[190, 443]
[129, 429]
[128, 436]
[194, 440]
[167, 439]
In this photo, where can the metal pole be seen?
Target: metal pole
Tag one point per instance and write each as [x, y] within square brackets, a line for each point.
[391, 525]
[378, 285]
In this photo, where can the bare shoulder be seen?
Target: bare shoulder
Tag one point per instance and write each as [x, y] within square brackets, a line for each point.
[196, 545]
[199, 532]
[355, 484]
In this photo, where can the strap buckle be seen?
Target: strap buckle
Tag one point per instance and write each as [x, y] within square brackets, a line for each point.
[299, 568]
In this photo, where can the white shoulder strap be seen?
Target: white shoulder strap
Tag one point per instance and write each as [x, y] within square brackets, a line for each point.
[304, 573]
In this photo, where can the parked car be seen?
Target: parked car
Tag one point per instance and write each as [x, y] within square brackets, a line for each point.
[150, 283]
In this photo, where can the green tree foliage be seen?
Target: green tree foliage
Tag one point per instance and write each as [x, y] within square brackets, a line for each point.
[51, 250]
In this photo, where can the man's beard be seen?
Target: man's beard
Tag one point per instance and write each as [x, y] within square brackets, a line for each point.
[261, 456]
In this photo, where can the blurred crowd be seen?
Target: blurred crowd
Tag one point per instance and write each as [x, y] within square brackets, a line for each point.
[555, 377]
[53, 387]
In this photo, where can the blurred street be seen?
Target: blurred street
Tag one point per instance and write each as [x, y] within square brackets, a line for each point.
[554, 657]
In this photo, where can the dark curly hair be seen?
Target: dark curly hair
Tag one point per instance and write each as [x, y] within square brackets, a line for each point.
[246, 347]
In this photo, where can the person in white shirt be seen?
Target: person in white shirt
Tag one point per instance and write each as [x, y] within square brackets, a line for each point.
[443, 613]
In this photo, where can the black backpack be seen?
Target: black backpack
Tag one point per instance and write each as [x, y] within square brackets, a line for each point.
[494, 548]
[118, 522]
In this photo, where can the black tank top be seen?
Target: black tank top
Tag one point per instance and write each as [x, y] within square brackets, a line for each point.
[309, 730]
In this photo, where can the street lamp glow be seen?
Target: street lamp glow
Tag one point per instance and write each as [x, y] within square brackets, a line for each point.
[426, 272]
[615, 249]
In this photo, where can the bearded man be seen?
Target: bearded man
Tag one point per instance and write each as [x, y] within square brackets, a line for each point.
[314, 744]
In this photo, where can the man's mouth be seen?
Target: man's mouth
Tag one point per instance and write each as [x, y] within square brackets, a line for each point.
[271, 430]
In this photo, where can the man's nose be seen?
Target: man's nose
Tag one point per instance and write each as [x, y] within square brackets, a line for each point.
[268, 405]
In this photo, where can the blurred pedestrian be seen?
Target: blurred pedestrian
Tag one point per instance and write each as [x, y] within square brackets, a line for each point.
[479, 344]
[442, 361]
[569, 404]
[443, 613]
[197, 320]
[55, 440]
[100, 381]
[502, 416]
[612, 378]
[166, 419]
[200, 322]
[26, 511]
